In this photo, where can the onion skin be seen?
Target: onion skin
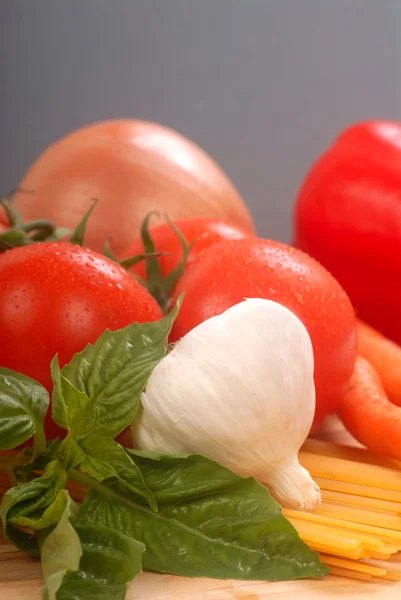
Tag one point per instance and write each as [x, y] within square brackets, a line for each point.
[132, 167]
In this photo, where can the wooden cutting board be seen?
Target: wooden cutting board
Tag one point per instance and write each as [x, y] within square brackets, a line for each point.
[20, 577]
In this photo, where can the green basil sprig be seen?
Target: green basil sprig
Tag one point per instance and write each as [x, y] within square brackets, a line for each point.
[185, 515]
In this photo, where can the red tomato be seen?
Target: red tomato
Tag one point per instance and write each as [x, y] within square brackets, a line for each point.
[233, 270]
[206, 231]
[133, 167]
[57, 298]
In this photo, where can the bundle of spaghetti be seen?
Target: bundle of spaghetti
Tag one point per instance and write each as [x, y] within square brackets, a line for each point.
[357, 527]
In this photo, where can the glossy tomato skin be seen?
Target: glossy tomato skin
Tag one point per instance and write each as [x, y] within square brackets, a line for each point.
[206, 231]
[231, 271]
[57, 298]
[132, 167]
[348, 216]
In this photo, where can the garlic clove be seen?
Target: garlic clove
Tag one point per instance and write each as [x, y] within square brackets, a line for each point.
[292, 485]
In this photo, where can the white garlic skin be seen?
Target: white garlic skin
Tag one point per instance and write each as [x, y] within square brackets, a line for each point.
[239, 389]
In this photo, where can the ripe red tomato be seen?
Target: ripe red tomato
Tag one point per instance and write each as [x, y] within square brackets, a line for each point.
[132, 167]
[57, 298]
[205, 230]
[233, 270]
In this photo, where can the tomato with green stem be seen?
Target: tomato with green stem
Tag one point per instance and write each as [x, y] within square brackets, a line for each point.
[203, 231]
[228, 272]
[55, 298]
[16, 232]
[179, 243]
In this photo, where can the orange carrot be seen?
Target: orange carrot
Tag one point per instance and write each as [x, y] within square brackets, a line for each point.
[368, 414]
[385, 356]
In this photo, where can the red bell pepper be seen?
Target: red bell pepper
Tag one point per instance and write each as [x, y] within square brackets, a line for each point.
[348, 217]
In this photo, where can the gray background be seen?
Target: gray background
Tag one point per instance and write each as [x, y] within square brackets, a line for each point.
[262, 85]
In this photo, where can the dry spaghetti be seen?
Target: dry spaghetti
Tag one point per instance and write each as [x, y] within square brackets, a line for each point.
[357, 528]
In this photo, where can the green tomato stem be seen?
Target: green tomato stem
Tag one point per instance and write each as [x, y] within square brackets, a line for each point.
[42, 228]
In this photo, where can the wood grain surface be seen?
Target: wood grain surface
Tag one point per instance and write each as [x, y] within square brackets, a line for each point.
[20, 577]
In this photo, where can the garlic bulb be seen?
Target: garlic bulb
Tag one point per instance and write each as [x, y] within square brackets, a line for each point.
[239, 389]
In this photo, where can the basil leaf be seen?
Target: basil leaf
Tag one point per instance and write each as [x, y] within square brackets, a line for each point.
[25, 465]
[75, 455]
[113, 373]
[104, 458]
[210, 523]
[61, 550]
[50, 516]
[59, 407]
[81, 562]
[31, 500]
[110, 558]
[23, 406]
[68, 403]
[77, 587]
